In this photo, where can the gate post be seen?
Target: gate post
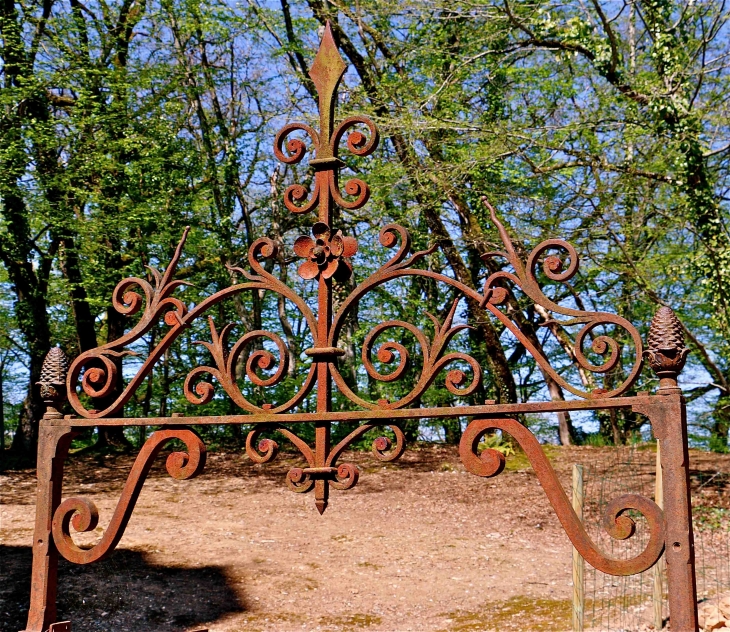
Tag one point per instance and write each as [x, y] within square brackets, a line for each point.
[53, 445]
[54, 440]
[680, 554]
[667, 413]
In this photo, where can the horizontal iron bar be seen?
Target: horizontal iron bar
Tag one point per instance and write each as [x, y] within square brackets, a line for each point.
[366, 415]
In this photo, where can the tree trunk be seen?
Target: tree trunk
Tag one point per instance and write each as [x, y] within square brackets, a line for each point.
[452, 430]
[2, 406]
[83, 319]
[615, 430]
[566, 432]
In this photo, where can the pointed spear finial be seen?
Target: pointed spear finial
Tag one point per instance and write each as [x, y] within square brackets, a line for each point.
[53, 381]
[326, 73]
[666, 351]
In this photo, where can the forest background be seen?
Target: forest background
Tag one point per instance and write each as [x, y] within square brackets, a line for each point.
[606, 123]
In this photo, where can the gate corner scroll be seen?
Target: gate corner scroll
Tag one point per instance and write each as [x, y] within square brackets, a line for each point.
[326, 259]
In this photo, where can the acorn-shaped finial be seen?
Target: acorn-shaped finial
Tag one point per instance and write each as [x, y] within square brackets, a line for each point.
[666, 351]
[53, 380]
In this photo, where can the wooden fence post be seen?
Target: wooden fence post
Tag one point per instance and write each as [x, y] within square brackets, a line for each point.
[578, 564]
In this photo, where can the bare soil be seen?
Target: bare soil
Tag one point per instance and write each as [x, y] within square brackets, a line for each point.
[417, 545]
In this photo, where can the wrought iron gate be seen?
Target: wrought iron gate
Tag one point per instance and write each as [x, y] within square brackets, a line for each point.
[326, 259]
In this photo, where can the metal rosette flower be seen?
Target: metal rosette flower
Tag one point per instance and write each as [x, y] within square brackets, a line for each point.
[326, 254]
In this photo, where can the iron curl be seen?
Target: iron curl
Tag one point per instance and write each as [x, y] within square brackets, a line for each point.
[296, 148]
[129, 302]
[83, 516]
[390, 349]
[226, 362]
[263, 452]
[353, 187]
[346, 476]
[600, 345]
[203, 391]
[553, 266]
[383, 448]
[298, 481]
[617, 525]
[94, 376]
[357, 142]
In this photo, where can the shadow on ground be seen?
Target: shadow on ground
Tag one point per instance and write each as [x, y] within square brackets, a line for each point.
[124, 593]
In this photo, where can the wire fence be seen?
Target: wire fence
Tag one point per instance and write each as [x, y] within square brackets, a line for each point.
[618, 604]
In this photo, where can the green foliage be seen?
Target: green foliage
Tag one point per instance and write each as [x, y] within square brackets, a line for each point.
[596, 440]
[121, 123]
[496, 442]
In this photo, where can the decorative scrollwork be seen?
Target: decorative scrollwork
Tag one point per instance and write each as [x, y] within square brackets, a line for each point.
[525, 277]
[99, 368]
[100, 382]
[343, 476]
[201, 392]
[83, 516]
[434, 360]
[617, 524]
[495, 293]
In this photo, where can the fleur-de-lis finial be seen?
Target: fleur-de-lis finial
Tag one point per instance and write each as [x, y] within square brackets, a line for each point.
[326, 73]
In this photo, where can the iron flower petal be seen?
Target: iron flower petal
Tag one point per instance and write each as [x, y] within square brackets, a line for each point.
[303, 246]
[321, 231]
[308, 270]
[337, 244]
[350, 244]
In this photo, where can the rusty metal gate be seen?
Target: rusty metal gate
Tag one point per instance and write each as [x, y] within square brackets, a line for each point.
[326, 259]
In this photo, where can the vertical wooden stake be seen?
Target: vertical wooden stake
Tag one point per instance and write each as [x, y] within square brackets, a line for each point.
[578, 564]
[658, 570]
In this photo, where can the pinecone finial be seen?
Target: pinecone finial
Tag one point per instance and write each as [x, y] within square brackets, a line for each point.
[666, 351]
[53, 380]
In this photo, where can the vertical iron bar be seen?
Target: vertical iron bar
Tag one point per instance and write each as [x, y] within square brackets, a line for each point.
[326, 78]
[658, 570]
[324, 395]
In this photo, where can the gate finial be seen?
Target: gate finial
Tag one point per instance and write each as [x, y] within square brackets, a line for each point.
[326, 73]
[53, 381]
[666, 350]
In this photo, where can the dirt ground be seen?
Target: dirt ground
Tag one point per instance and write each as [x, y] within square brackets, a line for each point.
[417, 545]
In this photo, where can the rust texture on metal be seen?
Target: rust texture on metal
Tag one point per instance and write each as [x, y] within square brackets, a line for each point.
[666, 351]
[53, 379]
[326, 259]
